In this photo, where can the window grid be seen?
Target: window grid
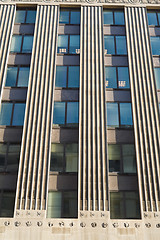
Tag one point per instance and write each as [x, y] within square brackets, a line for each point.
[69, 10]
[59, 49]
[22, 41]
[157, 18]
[26, 13]
[67, 76]
[113, 13]
[115, 45]
[18, 71]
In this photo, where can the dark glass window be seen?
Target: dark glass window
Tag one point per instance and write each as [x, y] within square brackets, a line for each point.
[153, 18]
[69, 16]
[59, 113]
[63, 44]
[25, 16]
[17, 77]
[157, 77]
[18, 114]
[61, 76]
[16, 43]
[125, 114]
[155, 44]
[112, 115]
[115, 45]
[113, 17]
[72, 112]
[7, 201]
[25, 46]
[74, 44]
[68, 44]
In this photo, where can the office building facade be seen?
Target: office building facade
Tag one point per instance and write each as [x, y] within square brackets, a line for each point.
[79, 119]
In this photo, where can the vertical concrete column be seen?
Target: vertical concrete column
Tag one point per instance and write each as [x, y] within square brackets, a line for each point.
[7, 14]
[93, 178]
[145, 107]
[36, 140]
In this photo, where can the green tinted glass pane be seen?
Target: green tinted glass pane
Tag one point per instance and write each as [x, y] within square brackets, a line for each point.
[57, 157]
[54, 204]
[74, 44]
[64, 17]
[129, 158]
[111, 77]
[112, 115]
[61, 76]
[132, 206]
[152, 18]
[59, 113]
[108, 17]
[27, 44]
[13, 157]
[20, 16]
[3, 150]
[73, 77]
[121, 47]
[117, 209]
[73, 112]
[155, 44]
[71, 154]
[109, 44]
[75, 17]
[16, 43]
[31, 16]
[119, 18]
[62, 44]
[23, 77]
[18, 115]
[114, 157]
[70, 205]
[157, 77]
[5, 113]
[7, 204]
[11, 77]
[126, 114]
[123, 77]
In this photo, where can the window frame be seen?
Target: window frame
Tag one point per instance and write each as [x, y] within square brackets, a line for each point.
[26, 11]
[113, 14]
[21, 48]
[70, 10]
[115, 46]
[68, 45]
[156, 12]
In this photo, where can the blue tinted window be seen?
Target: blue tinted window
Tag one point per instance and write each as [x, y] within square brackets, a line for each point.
[123, 77]
[5, 113]
[18, 114]
[111, 77]
[16, 43]
[109, 44]
[27, 44]
[23, 77]
[75, 17]
[64, 17]
[73, 76]
[59, 113]
[20, 16]
[11, 77]
[108, 17]
[61, 76]
[126, 114]
[157, 77]
[121, 45]
[112, 115]
[152, 18]
[119, 18]
[62, 44]
[74, 44]
[155, 44]
[31, 16]
[72, 112]
[159, 18]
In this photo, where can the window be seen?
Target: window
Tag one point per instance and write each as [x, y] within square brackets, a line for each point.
[124, 205]
[12, 113]
[62, 204]
[155, 45]
[7, 201]
[68, 44]
[69, 16]
[119, 114]
[17, 77]
[153, 18]
[21, 44]
[67, 76]
[117, 77]
[115, 45]
[9, 157]
[25, 16]
[66, 113]
[64, 157]
[122, 158]
[113, 17]
[157, 77]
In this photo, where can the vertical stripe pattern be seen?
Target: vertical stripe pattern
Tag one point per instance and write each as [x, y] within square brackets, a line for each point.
[145, 107]
[36, 141]
[93, 178]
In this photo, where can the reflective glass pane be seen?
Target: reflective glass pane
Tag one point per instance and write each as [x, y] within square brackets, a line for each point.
[7, 204]
[152, 18]
[57, 157]
[5, 113]
[123, 77]
[64, 17]
[61, 76]
[16, 43]
[73, 112]
[31, 16]
[121, 45]
[59, 113]
[129, 158]
[112, 115]
[111, 77]
[109, 44]
[155, 44]
[159, 18]
[114, 157]
[27, 44]
[117, 207]
[73, 76]
[75, 17]
[126, 114]
[18, 115]
[132, 207]
[23, 77]
[119, 18]
[157, 77]
[20, 16]
[3, 151]
[108, 17]
[70, 205]
[71, 154]
[13, 157]
[54, 204]
[11, 77]
[62, 44]
[74, 44]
